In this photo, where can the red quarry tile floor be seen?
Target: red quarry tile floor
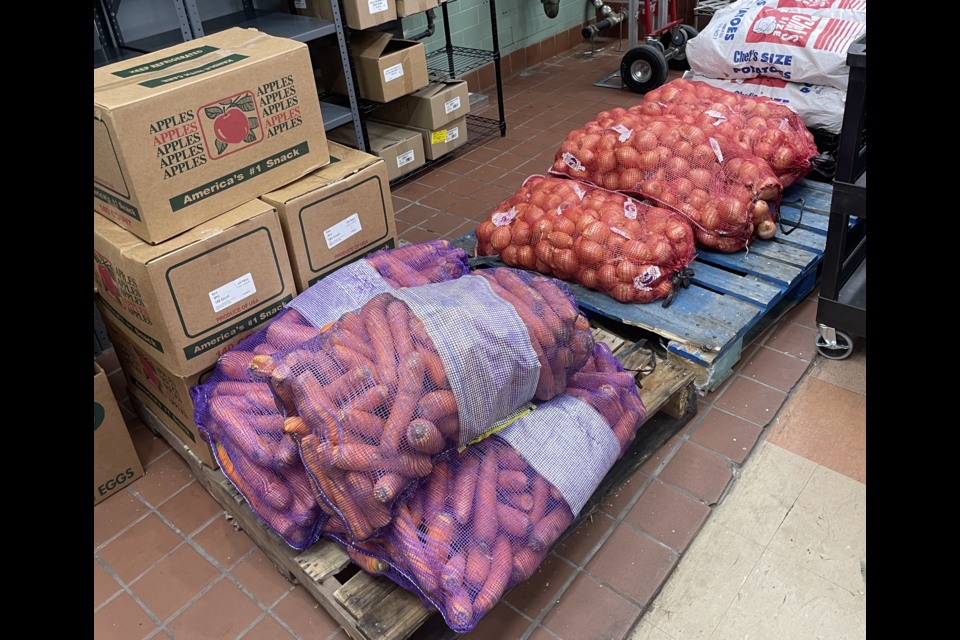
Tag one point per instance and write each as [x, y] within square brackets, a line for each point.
[168, 564]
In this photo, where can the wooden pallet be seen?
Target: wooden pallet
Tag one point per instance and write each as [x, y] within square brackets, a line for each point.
[733, 296]
[374, 608]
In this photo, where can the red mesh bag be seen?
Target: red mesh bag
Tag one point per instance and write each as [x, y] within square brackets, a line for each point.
[762, 127]
[729, 195]
[418, 372]
[239, 415]
[486, 517]
[598, 238]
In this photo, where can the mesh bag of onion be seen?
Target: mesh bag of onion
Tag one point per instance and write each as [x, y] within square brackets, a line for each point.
[728, 194]
[486, 517]
[417, 372]
[238, 414]
[759, 126]
[598, 238]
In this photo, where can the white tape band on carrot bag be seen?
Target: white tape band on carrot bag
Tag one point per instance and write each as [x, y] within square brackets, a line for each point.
[348, 289]
[484, 346]
[567, 442]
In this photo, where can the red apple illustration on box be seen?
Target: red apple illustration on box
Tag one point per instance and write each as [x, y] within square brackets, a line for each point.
[148, 369]
[105, 270]
[231, 124]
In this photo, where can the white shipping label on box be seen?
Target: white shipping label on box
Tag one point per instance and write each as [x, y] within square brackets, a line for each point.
[342, 230]
[452, 105]
[392, 73]
[300, 4]
[377, 6]
[406, 158]
[233, 292]
[453, 133]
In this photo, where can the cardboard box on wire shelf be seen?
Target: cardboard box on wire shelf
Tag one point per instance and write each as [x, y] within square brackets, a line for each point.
[407, 8]
[444, 140]
[387, 68]
[183, 135]
[165, 394]
[191, 299]
[361, 14]
[115, 461]
[400, 148]
[429, 108]
[336, 215]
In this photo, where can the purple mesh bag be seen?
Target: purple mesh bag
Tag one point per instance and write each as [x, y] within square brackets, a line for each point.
[239, 414]
[415, 373]
[485, 518]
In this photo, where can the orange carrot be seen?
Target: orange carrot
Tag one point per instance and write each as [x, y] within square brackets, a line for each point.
[515, 481]
[435, 370]
[435, 489]
[394, 432]
[437, 404]
[360, 457]
[439, 538]
[313, 405]
[334, 525]
[373, 566]
[420, 335]
[509, 459]
[525, 562]
[497, 579]
[556, 495]
[286, 453]
[453, 572]
[254, 392]
[513, 521]
[522, 501]
[358, 341]
[376, 323]
[346, 357]
[388, 486]
[478, 566]
[545, 383]
[367, 424]
[265, 349]
[463, 496]
[369, 399]
[398, 317]
[334, 485]
[425, 437]
[353, 323]
[235, 364]
[541, 498]
[296, 427]
[546, 532]
[450, 426]
[349, 385]
[411, 372]
[408, 543]
[485, 504]
[262, 367]
[361, 489]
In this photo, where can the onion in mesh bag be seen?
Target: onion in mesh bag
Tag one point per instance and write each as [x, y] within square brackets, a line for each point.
[238, 413]
[598, 238]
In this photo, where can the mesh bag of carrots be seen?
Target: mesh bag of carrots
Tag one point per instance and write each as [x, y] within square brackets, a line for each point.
[728, 195]
[239, 415]
[417, 372]
[486, 517]
[762, 127]
[598, 238]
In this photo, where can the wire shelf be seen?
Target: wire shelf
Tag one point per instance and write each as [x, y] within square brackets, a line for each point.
[453, 62]
[478, 130]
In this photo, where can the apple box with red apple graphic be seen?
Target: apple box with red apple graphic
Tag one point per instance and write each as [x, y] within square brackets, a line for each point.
[230, 124]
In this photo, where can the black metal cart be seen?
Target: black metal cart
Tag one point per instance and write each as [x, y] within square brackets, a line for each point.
[842, 311]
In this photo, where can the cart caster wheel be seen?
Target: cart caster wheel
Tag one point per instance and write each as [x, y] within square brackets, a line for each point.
[685, 33]
[840, 352]
[643, 69]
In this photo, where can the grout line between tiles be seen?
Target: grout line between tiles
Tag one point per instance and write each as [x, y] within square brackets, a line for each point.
[253, 624]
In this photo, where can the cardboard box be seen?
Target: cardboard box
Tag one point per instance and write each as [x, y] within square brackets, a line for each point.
[115, 461]
[441, 141]
[185, 134]
[361, 14]
[430, 108]
[165, 394]
[400, 148]
[336, 215]
[387, 68]
[195, 297]
[407, 8]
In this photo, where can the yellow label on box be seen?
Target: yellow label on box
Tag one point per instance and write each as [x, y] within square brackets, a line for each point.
[438, 136]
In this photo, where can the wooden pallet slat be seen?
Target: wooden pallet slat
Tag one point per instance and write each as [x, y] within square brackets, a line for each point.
[322, 560]
[753, 264]
[803, 239]
[800, 258]
[815, 198]
[362, 592]
[394, 618]
[745, 287]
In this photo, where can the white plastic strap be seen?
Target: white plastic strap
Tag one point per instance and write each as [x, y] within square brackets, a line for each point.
[567, 442]
[346, 290]
[484, 346]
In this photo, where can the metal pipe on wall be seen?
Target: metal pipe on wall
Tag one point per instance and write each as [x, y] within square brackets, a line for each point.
[610, 18]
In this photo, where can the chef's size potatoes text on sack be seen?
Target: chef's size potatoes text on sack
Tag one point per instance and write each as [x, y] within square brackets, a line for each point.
[185, 134]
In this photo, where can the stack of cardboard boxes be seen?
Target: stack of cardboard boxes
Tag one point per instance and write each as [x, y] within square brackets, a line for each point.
[217, 199]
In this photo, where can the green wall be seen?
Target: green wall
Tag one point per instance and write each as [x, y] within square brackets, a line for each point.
[520, 23]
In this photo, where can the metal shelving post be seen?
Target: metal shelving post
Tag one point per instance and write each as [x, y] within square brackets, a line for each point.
[350, 75]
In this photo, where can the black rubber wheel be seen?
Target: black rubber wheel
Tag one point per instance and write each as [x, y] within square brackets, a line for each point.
[840, 352]
[686, 33]
[643, 69]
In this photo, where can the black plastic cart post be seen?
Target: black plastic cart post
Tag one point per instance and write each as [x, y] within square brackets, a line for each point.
[842, 311]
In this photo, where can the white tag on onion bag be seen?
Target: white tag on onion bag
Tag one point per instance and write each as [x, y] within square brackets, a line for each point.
[392, 73]
[232, 292]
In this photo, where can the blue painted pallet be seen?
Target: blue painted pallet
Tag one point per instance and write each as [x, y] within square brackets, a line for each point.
[731, 293]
